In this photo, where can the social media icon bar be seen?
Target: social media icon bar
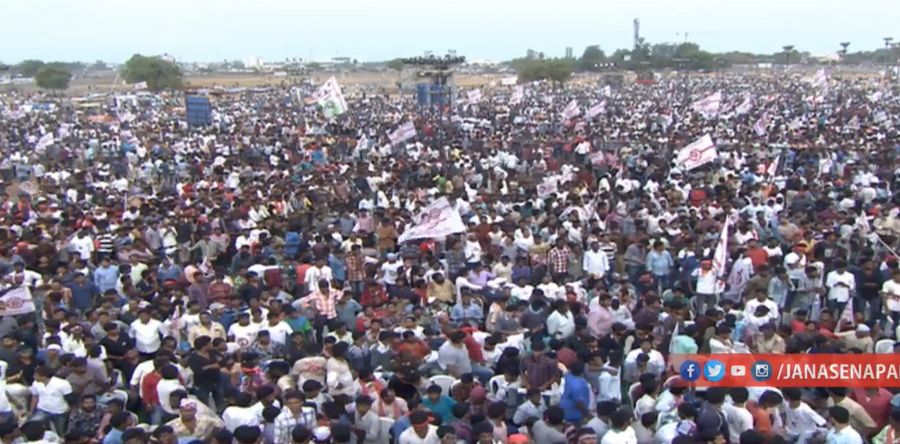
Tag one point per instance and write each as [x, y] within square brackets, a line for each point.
[690, 371]
[762, 371]
[714, 370]
[738, 370]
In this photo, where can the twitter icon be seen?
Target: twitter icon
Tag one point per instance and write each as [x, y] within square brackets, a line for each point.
[714, 370]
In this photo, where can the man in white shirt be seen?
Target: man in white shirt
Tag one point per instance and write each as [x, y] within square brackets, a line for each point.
[841, 432]
[49, 396]
[244, 332]
[240, 414]
[620, 431]
[147, 333]
[595, 263]
[421, 431]
[83, 245]
[801, 421]
[736, 414]
[840, 283]
[318, 272]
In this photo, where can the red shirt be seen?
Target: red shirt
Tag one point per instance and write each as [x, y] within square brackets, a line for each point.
[148, 388]
[878, 406]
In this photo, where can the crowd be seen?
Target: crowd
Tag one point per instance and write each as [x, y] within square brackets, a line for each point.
[244, 281]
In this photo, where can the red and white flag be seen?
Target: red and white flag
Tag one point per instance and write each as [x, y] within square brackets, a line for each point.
[820, 80]
[708, 105]
[402, 133]
[761, 126]
[772, 169]
[720, 256]
[518, 95]
[744, 107]
[596, 110]
[571, 110]
[474, 96]
[697, 154]
[437, 220]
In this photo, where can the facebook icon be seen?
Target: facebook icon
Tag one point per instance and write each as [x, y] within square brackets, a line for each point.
[690, 371]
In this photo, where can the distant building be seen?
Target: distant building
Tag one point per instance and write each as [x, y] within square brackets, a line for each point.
[253, 63]
[569, 53]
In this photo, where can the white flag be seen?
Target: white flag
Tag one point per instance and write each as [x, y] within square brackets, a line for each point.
[596, 110]
[509, 81]
[474, 96]
[876, 96]
[772, 169]
[402, 133]
[518, 95]
[720, 256]
[862, 223]
[744, 107]
[331, 99]
[708, 105]
[697, 154]
[139, 86]
[820, 80]
[853, 123]
[437, 220]
[45, 141]
[606, 91]
[17, 301]
[571, 110]
[761, 125]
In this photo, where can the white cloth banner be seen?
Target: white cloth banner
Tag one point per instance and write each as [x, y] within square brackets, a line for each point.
[698, 153]
[474, 96]
[547, 187]
[744, 107]
[708, 105]
[402, 133]
[820, 80]
[139, 86]
[761, 125]
[596, 110]
[45, 141]
[772, 169]
[571, 110]
[331, 99]
[17, 301]
[606, 91]
[518, 95]
[509, 81]
[437, 220]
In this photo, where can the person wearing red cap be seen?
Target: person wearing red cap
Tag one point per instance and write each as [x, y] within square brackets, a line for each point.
[421, 432]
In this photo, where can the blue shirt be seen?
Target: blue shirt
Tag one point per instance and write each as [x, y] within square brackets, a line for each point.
[113, 437]
[576, 390]
[660, 264]
[443, 408]
[106, 278]
[83, 295]
[471, 311]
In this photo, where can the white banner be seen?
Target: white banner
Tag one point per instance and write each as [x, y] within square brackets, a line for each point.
[772, 169]
[509, 81]
[17, 301]
[571, 110]
[761, 125]
[546, 188]
[698, 153]
[435, 221]
[403, 133]
[606, 91]
[474, 96]
[518, 95]
[45, 141]
[596, 110]
[744, 107]
[139, 86]
[331, 99]
[820, 80]
[708, 105]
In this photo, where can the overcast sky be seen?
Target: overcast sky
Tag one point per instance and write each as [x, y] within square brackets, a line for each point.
[206, 30]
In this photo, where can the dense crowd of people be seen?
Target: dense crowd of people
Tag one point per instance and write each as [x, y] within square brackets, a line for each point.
[244, 281]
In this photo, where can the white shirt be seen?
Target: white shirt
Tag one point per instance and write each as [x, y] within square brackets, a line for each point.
[51, 396]
[706, 280]
[837, 292]
[147, 337]
[234, 417]
[278, 332]
[613, 436]
[409, 436]
[739, 421]
[244, 335]
[802, 420]
[84, 246]
[595, 263]
[164, 388]
[390, 272]
[315, 274]
[847, 435]
[5, 407]
[891, 291]
[560, 326]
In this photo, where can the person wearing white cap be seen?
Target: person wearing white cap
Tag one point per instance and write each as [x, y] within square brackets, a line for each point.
[859, 338]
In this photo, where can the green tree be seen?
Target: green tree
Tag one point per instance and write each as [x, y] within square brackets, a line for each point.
[158, 73]
[314, 66]
[29, 68]
[558, 70]
[53, 76]
[396, 65]
[591, 57]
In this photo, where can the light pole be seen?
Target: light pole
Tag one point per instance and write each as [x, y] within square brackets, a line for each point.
[787, 54]
[844, 46]
[887, 51]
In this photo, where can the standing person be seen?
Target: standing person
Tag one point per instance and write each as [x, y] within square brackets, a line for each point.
[595, 264]
[386, 237]
[576, 396]
[147, 333]
[293, 415]
[324, 302]
[660, 264]
[841, 286]
[204, 363]
[49, 398]
[558, 260]
[841, 432]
